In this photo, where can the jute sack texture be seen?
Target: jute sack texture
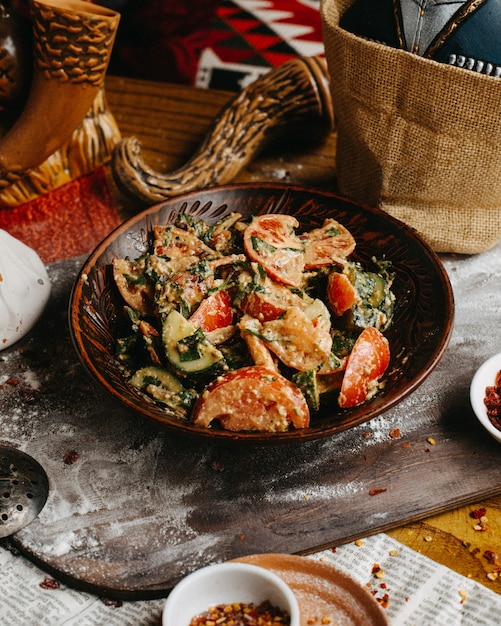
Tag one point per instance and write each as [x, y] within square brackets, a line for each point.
[419, 139]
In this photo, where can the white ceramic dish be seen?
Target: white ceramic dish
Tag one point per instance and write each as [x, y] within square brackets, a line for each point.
[484, 377]
[24, 289]
[224, 583]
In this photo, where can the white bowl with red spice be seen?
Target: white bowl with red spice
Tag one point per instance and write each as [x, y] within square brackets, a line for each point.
[218, 587]
[487, 377]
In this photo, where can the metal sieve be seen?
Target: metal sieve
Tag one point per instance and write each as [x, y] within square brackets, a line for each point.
[24, 488]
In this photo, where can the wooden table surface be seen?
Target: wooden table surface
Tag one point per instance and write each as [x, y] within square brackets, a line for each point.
[171, 121]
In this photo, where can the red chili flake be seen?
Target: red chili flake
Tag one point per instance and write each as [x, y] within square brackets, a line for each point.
[375, 492]
[491, 557]
[50, 583]
[475, 551]
[478, 513]
[406, 445]
[395, 433]
[70, 457]
[367, 435]
[107, 602]
[244, 613]
[375, 568]
[383, 585]
[12, 381]
[334, 550]
[492, 401]
[384, 601]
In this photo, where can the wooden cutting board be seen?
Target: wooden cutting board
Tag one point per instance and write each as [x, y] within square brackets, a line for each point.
[131, 510]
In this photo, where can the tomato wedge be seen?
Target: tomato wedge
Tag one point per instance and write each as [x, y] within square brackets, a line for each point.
[214, 312]
[332, 243]
[341, 294]
[252, 398]
[270, 301]
[366, 364]
[270, 240]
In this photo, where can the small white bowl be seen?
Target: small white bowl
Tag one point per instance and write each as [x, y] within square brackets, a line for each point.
[224, 583]
[485, 377]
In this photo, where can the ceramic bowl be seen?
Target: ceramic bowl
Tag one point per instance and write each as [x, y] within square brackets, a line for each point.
[484, 377]
[418, 337]
[225, 583]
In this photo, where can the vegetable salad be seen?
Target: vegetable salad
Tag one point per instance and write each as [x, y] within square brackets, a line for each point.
[253, 325]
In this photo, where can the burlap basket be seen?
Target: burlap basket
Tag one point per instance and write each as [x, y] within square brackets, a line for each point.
[417, 138]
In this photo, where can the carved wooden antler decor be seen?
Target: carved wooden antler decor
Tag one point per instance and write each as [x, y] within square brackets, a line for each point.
[72, 44]
[292, 97]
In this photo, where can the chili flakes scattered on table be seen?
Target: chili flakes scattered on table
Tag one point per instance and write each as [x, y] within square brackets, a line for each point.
[241, 614]
[491, 557]
[50, 583]
[478, 513]
[70, 457]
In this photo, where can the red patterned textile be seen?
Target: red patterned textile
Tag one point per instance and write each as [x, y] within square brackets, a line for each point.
[69, 221]
[249, 37]
[219, 44]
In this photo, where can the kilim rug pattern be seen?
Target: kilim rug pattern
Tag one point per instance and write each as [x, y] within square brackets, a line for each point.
[249, 37]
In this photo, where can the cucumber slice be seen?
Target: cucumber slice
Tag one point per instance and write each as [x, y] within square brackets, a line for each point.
[157, 376]
[180, 403]
[165, 388]
[188, 349]
[376, 300]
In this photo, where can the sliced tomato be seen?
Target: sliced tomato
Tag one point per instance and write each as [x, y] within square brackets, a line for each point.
[367, 363]
[214, 312]
[270, 240]
[252, 398]
[270, 301]
[262, 306]
[332, 243]
[341, 294]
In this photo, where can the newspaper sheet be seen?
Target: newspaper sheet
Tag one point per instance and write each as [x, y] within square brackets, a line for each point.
[414, 591]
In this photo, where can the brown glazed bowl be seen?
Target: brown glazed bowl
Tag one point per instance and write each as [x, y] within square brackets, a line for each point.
[418, 337]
